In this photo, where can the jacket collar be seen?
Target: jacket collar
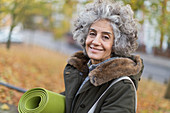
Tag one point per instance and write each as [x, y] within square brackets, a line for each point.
[114, 68]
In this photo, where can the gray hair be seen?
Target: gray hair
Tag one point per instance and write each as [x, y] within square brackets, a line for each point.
[121, 19]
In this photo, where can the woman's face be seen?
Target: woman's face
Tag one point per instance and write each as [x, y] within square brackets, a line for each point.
[99, 41]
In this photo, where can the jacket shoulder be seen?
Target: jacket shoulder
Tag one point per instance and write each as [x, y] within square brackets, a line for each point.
[117, 98]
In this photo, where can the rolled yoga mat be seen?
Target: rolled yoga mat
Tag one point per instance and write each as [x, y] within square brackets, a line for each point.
[39, 100]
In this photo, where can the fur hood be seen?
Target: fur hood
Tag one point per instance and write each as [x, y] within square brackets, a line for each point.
[115, 68]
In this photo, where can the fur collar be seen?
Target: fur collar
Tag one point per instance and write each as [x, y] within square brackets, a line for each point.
[107, 71]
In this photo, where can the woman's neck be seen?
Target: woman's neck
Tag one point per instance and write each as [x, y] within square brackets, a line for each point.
[96, 61]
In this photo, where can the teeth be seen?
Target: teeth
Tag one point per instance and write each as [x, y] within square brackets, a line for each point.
[92, 46]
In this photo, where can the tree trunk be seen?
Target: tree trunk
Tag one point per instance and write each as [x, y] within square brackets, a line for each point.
[163, 22]
[167, 94]
[8, 44]
[13, 24]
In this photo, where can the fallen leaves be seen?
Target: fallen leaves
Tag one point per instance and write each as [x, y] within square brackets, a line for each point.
[151, 97]
[30, 66]
[5, 107]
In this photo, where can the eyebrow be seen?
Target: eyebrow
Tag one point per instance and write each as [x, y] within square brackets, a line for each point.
[105, 32]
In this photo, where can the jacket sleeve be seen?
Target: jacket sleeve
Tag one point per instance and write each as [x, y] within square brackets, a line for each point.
[63, 93]
[121, 99]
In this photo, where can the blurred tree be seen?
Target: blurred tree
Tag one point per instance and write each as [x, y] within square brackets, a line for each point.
[137, 6]
[39, 15]
[162, 20]
[168, 29]
[14, 8]
[168, 23]
[154, 10]
[65, 13]
[158, 12]
[24, 11]
[1, 12]
[167, 94]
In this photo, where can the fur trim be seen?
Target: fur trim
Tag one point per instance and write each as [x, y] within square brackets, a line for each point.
[112, 69]
[79, 61]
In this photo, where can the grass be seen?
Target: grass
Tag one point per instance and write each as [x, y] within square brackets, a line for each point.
[31, 66]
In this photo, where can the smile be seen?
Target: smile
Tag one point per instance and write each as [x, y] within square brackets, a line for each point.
[96, 49]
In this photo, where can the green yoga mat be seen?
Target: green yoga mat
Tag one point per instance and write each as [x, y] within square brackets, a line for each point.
[39, 100]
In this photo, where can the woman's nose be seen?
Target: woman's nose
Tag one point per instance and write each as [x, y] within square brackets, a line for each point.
[96, 40]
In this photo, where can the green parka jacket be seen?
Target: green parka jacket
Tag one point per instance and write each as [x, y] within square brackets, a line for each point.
[120, 98]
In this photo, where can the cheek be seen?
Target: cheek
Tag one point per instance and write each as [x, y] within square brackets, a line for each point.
[88, 41]
[109, 47]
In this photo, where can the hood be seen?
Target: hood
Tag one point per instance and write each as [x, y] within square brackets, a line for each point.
[115, 68]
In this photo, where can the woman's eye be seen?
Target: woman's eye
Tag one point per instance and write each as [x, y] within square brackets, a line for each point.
[92, 34]
[106, 37]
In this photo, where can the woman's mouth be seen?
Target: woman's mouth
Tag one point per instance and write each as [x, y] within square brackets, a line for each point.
[95, 49]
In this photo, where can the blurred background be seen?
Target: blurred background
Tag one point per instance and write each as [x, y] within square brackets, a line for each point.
[36, 41]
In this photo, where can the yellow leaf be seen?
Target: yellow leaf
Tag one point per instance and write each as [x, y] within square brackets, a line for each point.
[5, 107]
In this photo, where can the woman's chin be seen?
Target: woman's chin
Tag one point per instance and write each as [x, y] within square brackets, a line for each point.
[94, 56]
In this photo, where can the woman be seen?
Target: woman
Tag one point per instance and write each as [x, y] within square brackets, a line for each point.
[107, 33]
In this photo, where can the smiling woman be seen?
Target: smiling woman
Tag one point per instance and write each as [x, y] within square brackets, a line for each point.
[104, 76]
[99, 41]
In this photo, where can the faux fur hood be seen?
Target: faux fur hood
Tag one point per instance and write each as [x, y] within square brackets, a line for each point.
[107, 71]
